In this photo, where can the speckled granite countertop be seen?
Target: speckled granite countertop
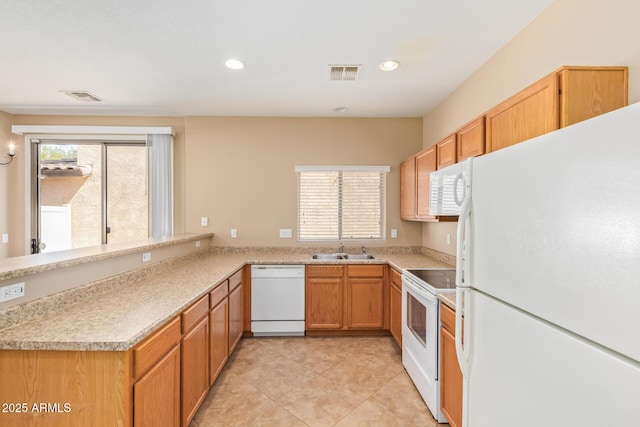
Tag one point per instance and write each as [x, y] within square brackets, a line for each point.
[449, 299]
[15, 267]
[118, 319]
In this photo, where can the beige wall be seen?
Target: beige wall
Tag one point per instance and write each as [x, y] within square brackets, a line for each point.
[7, 183]
[239, 171]
[569, 32]
[241, 175]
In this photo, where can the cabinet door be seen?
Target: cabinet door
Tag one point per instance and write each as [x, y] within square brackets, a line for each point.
[235, 317]
[408, 189]
[446, 151]
[471, 139]
[450, 374]
[365, 298]
[395, 307]
[530, 113]
[586, 92]
[451, 379]
[324, 303]
[425, 164]
[218, 339]
[156, 396]
[195, 369]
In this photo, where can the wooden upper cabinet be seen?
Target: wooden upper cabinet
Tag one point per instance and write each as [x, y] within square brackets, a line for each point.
[414, 185]
[425, 164]
[587, 92]
[564, 97]
[471, 139]
[530, 113]
[408, 189]
[446, 151]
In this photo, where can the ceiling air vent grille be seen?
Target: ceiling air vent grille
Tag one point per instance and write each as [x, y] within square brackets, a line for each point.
[343, 72]
[82, 95]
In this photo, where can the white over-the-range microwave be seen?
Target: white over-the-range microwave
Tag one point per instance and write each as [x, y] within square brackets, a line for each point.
[447, 189]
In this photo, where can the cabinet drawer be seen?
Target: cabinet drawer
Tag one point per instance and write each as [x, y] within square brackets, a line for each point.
[193, 314]
[152, 349]
[396, 278]
[448, 319]
[235, 280]
[219, 293]
[325, 271]
[365, 270]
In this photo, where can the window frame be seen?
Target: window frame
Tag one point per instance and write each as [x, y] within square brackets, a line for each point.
[381, 171]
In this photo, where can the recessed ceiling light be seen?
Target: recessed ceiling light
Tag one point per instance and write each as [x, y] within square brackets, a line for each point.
[234, 64]
[389, 65]
[340, 109]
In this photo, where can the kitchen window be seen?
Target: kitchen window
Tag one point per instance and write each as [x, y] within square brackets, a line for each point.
[341, 203]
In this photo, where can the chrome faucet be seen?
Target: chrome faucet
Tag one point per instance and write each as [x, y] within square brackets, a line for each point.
[341, 248]
[364, 250]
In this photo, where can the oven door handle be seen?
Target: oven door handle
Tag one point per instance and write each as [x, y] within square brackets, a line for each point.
[419, 291]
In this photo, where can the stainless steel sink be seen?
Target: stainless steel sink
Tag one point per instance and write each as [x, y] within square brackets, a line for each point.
[336, 256]
[359, 256]
[328, 256]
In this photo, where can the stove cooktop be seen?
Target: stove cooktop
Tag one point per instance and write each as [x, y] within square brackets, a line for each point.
[442, 279]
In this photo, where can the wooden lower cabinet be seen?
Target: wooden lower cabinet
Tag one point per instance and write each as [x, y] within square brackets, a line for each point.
[156, 396]
[395, 306]
[218, 332]
[450, 374]
[324, 302]
[235, 317]
[365, 296]
[161, 381]
[195, 369]
[346, 297]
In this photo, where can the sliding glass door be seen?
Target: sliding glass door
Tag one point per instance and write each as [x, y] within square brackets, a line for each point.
[88, 193]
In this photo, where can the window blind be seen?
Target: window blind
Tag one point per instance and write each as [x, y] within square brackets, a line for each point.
[341, 203]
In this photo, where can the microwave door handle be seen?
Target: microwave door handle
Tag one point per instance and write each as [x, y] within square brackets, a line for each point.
[456, 199]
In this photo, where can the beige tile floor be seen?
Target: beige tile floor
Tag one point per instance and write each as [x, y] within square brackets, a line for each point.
[303, 381]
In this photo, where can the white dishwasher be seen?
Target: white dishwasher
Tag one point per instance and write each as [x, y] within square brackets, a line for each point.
[277, 300]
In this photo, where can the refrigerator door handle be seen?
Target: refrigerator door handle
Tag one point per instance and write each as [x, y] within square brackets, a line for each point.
[462, 352]
[462, 251]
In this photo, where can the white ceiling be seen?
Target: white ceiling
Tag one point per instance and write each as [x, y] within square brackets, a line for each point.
[165, 57]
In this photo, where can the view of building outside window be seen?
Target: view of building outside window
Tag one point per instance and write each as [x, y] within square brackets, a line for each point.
[72, 194]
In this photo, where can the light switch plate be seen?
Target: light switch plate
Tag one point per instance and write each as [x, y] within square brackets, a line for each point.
[285, 233]
[394, 233]
[5, 238]
[146, 257]
[204, 221]
[234, 233]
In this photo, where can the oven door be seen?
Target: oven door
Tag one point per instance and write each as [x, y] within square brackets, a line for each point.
[420, 327]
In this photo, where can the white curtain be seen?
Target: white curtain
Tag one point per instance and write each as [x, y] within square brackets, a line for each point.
[161, 183]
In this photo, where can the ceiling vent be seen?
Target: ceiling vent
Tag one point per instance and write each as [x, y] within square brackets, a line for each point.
[344, 72]
[82, 95]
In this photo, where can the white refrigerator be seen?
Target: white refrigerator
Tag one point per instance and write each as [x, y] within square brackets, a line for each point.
[549, 271]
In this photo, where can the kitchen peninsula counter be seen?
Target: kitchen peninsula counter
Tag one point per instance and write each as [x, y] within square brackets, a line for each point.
[117, 313]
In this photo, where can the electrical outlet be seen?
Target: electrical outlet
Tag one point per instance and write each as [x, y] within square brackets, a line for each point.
[197, 243]
[448, 238]
[204, 221]
[146, 257]
[234, 233]
[10, 292]
[5, 238]
[394, 233]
